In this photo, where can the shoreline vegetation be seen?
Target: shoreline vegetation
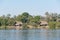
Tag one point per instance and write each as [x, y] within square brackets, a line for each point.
[27, 21]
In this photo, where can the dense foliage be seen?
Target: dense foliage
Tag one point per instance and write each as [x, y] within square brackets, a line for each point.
[28, 19]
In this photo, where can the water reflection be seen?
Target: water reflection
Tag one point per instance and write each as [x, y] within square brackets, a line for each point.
[29, 34]
[24, 34]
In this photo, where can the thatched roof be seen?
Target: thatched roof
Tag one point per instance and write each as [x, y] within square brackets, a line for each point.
[18, 23]
[43, 22]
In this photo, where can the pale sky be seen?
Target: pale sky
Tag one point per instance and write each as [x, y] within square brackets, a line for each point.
[33, 7]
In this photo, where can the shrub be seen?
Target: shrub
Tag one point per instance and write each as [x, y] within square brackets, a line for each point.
[52, 25]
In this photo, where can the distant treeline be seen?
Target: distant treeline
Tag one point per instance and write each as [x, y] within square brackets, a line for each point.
[25, 17]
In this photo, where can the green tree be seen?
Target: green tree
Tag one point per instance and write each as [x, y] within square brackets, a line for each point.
[36, 19]
[24, 17]
[8, 16]
[30, 18]
[11, 22]
[14, 17]
[54, 16]
[25, 14]
[0, 21]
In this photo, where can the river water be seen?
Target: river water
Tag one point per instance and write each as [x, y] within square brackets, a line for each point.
[35, 34]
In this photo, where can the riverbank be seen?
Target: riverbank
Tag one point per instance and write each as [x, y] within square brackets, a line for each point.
[21, 28]
[51, 25]
[18, 28]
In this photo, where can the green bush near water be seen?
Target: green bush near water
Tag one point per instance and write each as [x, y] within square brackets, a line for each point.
[52, 25]
[4, 27]
[58, 25]
[25, 27]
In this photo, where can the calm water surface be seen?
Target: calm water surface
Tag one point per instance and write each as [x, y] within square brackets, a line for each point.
[30, 34]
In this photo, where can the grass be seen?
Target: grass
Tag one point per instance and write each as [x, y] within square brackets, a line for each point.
[58, 25]
[6, 27]
[52, 25]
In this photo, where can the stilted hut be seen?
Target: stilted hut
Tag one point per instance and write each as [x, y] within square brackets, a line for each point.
[18, 25]
[44, 24]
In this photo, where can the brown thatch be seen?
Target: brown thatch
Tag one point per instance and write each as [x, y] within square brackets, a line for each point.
[18, 23]
[43, 23]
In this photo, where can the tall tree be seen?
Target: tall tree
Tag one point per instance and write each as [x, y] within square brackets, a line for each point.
[37, 18]
[25, 16]
[54, 16]
[47, 16]
[8, 16]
